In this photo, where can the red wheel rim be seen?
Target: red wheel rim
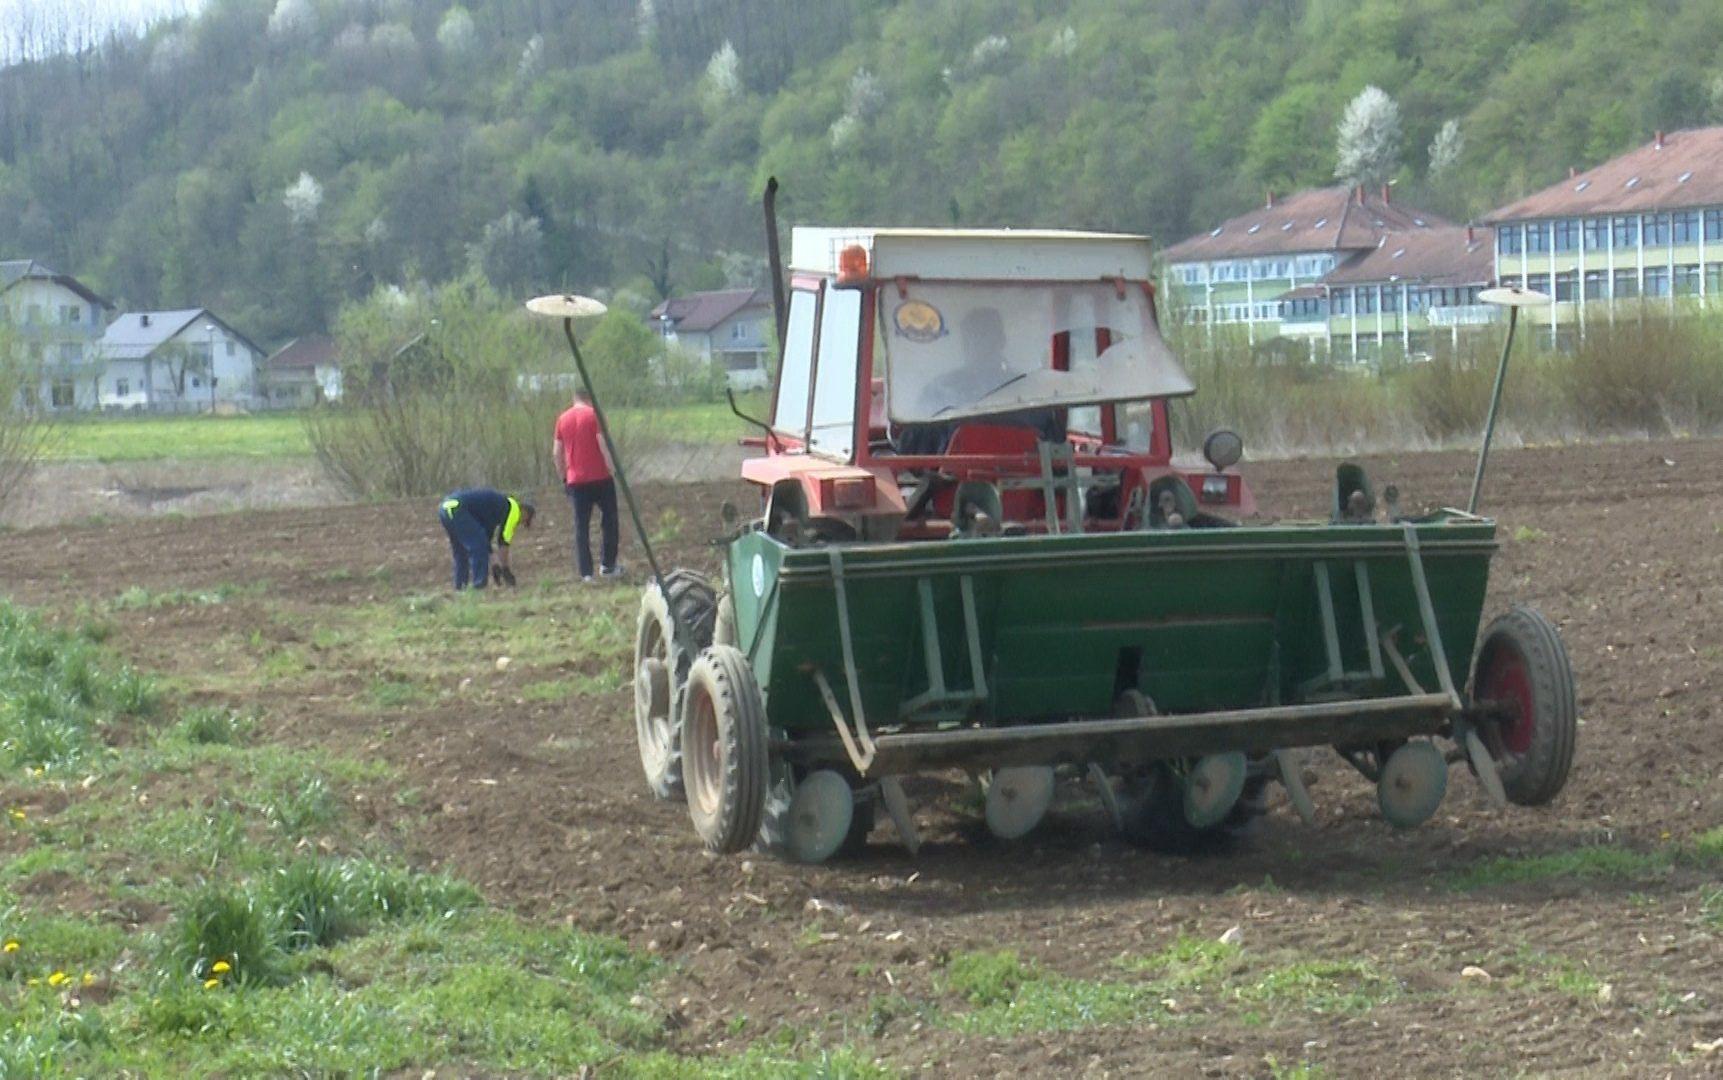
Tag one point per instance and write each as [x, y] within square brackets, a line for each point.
[1505, 681]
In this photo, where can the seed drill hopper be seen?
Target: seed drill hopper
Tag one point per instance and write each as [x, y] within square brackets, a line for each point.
[975, 551]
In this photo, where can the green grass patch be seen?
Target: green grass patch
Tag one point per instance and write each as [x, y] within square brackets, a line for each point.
[186, 438]
[1188, 961]
[138, 598]
[1011, 996]
[1584, 863]
[1322, 986]
[56, 692]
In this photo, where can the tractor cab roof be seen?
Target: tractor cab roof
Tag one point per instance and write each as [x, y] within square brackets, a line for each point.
[976, 254]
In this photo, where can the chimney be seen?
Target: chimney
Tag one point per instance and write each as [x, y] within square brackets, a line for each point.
[1657, 139]
[144, 319]
[1271, 198]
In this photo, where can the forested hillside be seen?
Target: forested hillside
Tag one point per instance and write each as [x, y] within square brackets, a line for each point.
[275, 158]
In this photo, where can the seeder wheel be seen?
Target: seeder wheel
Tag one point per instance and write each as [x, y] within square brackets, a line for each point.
[1212, 787]
[726, 768]
[1412, 783]
[1523, 668]
[1017, 800]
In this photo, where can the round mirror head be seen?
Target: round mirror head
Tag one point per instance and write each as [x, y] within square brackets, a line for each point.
[566, 306]
[1513, 296]
[1223, 449]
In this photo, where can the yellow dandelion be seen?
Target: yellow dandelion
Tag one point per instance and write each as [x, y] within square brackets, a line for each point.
[11, 945]
[17, 815]
[211, 984]
[88, 978]
[58, 978]
[32, 982]
[221, 967]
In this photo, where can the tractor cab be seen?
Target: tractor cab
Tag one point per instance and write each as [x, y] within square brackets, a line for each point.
[946, 384]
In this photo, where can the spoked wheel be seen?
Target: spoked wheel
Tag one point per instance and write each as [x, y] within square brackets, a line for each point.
[1523, 672]
[661, 666]
[724, 742]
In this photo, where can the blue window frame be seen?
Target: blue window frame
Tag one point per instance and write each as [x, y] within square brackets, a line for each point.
[1537, 238]
[1626, 233]
[1567, 234]
[1596, 234]
[1656, 231]
[1508, 240]
[1685, 226]
[1714, 225]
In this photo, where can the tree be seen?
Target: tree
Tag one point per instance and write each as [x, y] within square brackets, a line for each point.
[1367, 150]
[1445, 149]
[303, 198]
[457, 33]
[292, 20]
[510, 254]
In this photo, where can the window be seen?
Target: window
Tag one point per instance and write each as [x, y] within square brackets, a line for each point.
[1626, 284]
[1657, 281]
[1596, 234]
[1713, 279]
[1596, 284]
[71, 353]
[230, 347]
[33, 314]
[1714, 225]
[71, 314]
[1508, 240]
[1537, 238]
[1567, 234]
[834, 417]
[1538, 283]
[1656, 231]
[1417, 300]
[1342, 303]
[62, 395]
[791, 413]
[1685, 226]
[1565, 284]
[1687, 280]
[742, 361]
[1626, 234]
[1366, 301]
[122, 387]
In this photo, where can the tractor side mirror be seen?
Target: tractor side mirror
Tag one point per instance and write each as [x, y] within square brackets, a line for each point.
[1223, 449]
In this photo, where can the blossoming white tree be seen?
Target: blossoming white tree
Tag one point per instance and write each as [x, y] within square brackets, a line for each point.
[1367, 149]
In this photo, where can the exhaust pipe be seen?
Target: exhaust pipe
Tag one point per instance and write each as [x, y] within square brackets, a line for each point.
[775, 257]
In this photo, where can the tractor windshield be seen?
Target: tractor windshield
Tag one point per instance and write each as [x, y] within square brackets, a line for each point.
[964, 350]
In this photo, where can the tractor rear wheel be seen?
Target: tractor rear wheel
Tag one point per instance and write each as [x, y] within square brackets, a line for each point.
[661, 664]
[726, 768]
[1523, 667]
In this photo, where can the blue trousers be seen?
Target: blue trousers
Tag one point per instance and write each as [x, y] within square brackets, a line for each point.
[602, 495]
[469, 545]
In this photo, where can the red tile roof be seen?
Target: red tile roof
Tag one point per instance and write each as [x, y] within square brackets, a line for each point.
[304, 354]
[1322, 219]
[1449, 255]
[1679, 170]
[703, 311]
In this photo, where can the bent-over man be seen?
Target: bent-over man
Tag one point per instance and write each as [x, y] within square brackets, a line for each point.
[474, 518]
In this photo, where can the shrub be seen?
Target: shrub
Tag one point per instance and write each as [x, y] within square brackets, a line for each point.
[25, 430]
[225, 923]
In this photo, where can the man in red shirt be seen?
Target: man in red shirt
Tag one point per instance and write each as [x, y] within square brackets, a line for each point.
[585, 466]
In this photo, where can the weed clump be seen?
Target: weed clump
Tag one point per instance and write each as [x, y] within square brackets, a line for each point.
[56, 690]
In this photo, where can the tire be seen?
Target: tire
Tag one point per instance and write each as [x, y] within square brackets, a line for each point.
[726, 769]
[1522, 662]
[661, 665]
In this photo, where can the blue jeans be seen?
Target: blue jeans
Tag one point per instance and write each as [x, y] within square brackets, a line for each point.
[470, 547]
[602, 494]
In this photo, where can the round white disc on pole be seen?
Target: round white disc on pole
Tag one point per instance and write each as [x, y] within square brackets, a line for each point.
[1514, 296]
[566, 306]
[819, 817]
[1017, 799]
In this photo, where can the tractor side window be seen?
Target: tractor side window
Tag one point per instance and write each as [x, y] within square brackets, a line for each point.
[835, 378]
[791, 413]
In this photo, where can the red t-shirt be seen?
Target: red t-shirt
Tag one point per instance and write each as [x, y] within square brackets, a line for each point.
[577, 430]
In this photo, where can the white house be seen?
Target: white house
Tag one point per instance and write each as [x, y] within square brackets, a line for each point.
[163, 360]
[303, 372]
[730, 327]
[56, 321]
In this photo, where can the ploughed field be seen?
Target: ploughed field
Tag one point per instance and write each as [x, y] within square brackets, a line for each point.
[1594, 925]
